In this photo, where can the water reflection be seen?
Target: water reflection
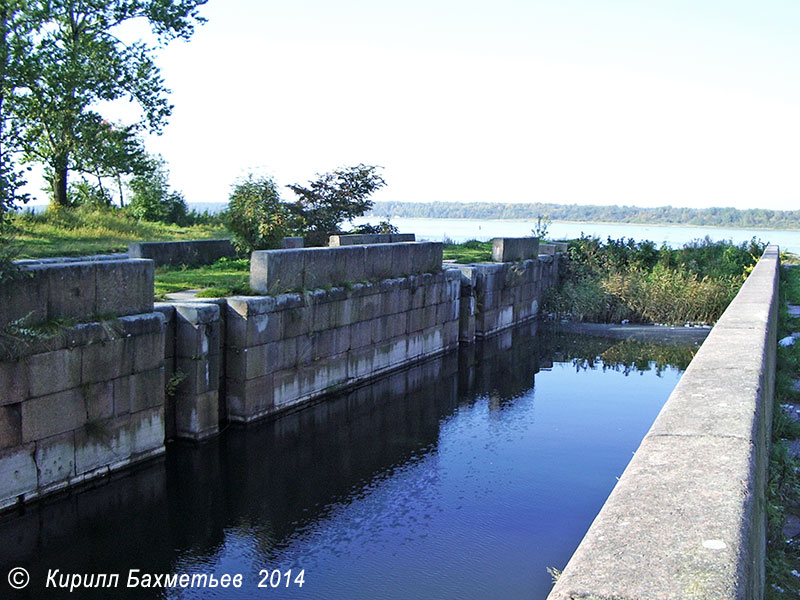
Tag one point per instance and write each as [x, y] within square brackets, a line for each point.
[453, 476]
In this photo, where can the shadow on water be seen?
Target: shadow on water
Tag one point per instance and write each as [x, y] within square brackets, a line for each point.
[268, 486]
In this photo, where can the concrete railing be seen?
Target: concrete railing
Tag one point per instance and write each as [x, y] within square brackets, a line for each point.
[687, 518]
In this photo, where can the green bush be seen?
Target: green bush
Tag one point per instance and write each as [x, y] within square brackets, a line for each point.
[256, 216]
[624, 279]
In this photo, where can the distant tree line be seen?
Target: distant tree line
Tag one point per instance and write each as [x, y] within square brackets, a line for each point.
[665, 215]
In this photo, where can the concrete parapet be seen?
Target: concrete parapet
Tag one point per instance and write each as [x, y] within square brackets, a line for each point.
[687, 518]
[370, 238]
[514, 249]
[274, 272]
[190, 252]
[76, 289]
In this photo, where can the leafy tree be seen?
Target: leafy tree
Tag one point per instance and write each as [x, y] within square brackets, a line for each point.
[114, 152]
[75, 62]
[15, 44]
[152, 199]
[257, 217]
[333, 198]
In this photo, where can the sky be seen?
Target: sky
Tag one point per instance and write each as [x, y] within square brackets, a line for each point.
[647, 103]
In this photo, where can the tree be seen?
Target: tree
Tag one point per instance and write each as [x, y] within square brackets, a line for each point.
[257, 217]
[152, 200]
[333, 198]
[16, 30]
[113, 152]
[76, 62]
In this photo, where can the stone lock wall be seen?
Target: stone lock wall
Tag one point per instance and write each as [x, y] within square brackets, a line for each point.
[80, 405]
[287, 349]
[497, 296]
[89, 398]
[109, 393]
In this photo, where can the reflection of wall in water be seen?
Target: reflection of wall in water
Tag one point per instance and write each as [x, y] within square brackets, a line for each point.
[278, 475]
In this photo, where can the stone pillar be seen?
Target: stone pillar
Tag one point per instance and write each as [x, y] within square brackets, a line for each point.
[197, 360]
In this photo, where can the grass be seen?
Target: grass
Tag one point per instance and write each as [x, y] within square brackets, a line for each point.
[783, 485]
[226, 277]
[469, 252]
[81, 231]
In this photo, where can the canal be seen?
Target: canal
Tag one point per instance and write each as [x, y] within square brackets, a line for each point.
[467, 476]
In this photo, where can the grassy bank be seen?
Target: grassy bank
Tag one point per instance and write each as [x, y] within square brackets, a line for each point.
[84, 230]
[615, 280]
[783, 486]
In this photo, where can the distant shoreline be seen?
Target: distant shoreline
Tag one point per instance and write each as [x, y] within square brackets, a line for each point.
[636, 224]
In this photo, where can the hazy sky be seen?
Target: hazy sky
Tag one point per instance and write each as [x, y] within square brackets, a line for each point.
[681, 102]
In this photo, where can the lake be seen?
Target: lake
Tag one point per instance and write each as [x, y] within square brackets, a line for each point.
[466, 476]
[461, 230]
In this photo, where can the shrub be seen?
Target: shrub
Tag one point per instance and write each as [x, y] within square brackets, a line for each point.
[256, 216]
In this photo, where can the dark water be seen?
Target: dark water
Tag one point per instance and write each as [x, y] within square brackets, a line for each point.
[464, 477]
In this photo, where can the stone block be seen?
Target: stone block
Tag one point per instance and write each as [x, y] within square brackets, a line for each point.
[369, 307]
[148, 389]
[147, 431]
[197, 418]
[50, 415]
[515, 249]
[249, 363]
[18, 474]
[293, 242]
[55, 371]
[286, 386]
[123, 394]
[244, 329]
[106, 359]
[355, 259]
[450, 334]
[71, 290]
[201, 375]
[297, 321]
[403, 237]
[432, 340]
[360, 363]
[275, 272]
[378, 259]
[148, 351]
[102, 445]
[55, 459]
[250, 400]
[282, 354]
[124, 287]
[99, 399]
[10, 426]
[361, 334]
[13, 382]
[25, 298]
[547, 249]
[323, 267]
[190, 252]
[402, 260]
[426, 257]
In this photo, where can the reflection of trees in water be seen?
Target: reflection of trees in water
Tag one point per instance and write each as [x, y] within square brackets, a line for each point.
[626, 356]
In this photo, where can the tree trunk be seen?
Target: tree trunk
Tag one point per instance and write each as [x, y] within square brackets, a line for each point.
[59, 181]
